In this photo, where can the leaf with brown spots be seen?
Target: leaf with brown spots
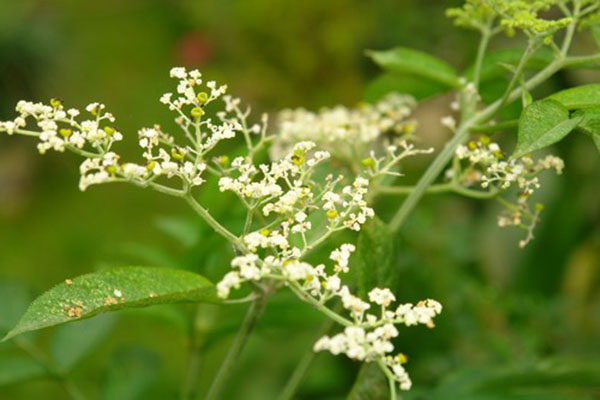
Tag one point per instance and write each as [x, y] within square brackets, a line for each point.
[111, 290]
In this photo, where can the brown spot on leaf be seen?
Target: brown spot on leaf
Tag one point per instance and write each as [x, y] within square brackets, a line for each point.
[110, 301]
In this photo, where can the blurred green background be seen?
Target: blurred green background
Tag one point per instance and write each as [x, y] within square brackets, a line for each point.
[515, 322]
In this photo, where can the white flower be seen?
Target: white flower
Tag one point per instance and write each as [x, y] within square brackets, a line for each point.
[333, 283]
[178, 72]
[383, 297]
[341, 257]
[340, 130]
[229, 281]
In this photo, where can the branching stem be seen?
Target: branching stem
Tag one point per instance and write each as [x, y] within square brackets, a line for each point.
[252, 316]
[462, 133]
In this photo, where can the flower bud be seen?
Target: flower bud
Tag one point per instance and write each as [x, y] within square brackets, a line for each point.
[223, 161]
[202, 97]
[178, 153]
[331, 214]
[368, 162]
[197, 112]
[56, 103]
[65, 132]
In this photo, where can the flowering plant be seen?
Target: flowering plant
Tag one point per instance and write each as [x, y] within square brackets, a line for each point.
[325, 173]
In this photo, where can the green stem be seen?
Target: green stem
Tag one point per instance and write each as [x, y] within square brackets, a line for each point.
[483, 45]
[210, 220]
[531, 47]
[55, 372]
[570, 31]
[436, 167]
[248, 222]
[252, 316]
[595, 58]
[165, 189]
[300, 371]
[190, 385]
[26, 132]
[314, 302]
[441, 188]
[475, 194]
[390, 378]
[430, 175]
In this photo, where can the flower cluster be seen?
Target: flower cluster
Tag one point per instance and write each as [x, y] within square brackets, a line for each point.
[372, 340]
[286, 188]
[164, 154]
[292, 204]
[367, 336]
[512, 15]
[486, 157]
[294, 201]
[474, 14]
[287, 193]
[487, 166]
[525, 16]
[521, 215]
[60, 129]
[359, 129]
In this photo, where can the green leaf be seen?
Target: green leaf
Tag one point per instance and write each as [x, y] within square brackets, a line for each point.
[129, 374]
[404, 60]
[415, 86]
[542, 124]
[492, 66]
[526, 97]
[370, 384]
[375, 257]
[596, 33]
[590, 124]
[579, 97]
[70, 343]
[111, 290]
[17, 368]
[376, 253]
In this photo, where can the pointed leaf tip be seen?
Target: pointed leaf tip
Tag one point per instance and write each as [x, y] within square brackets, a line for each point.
[111, 290]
